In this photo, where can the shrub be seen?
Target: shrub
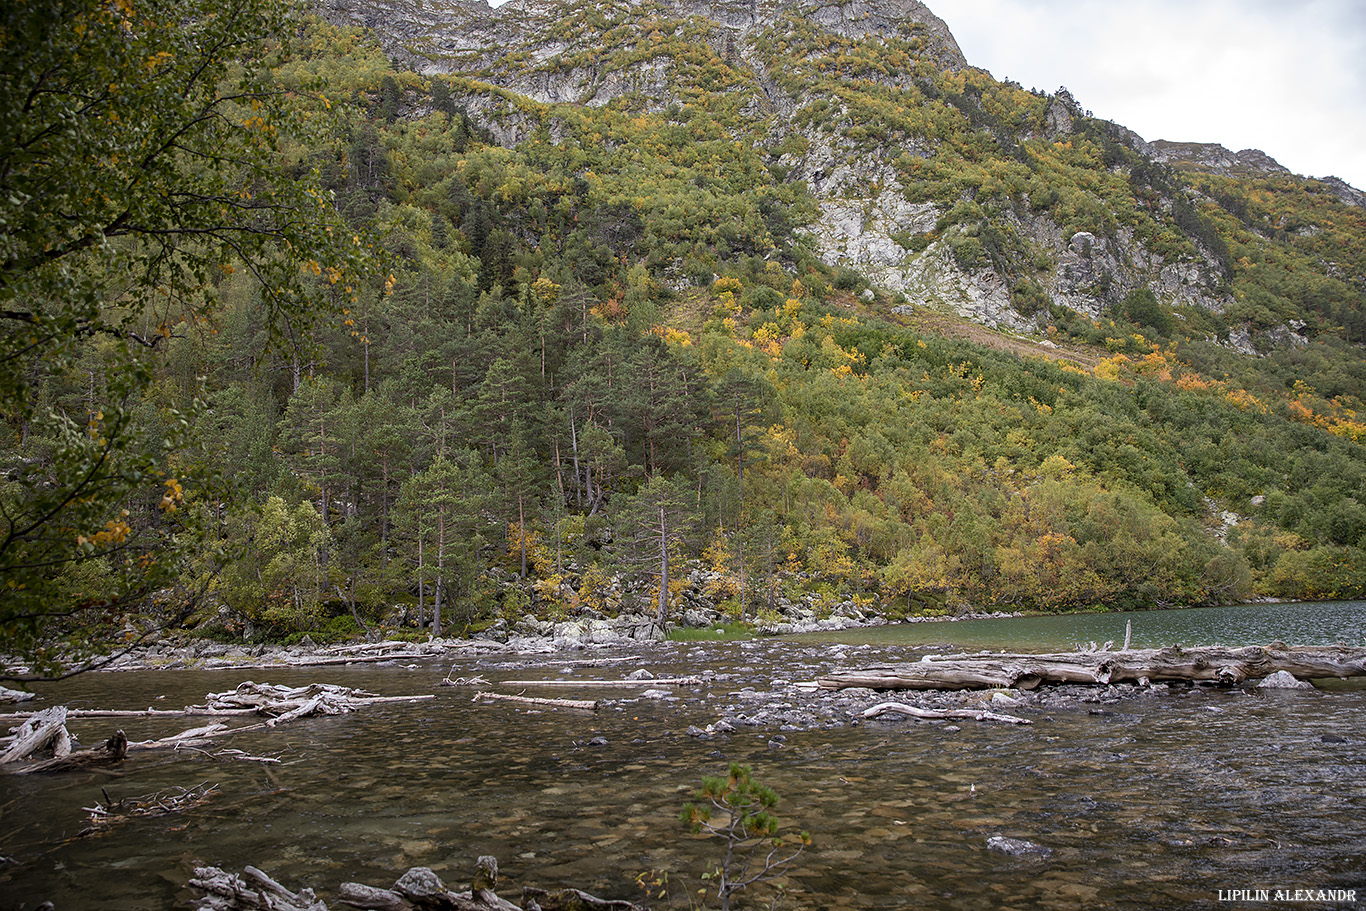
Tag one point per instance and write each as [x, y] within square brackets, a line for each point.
[743, 818]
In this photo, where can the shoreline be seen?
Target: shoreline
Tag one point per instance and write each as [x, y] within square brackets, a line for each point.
[528, 637]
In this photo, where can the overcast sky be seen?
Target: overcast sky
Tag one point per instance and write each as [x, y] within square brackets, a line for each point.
[1284, 76]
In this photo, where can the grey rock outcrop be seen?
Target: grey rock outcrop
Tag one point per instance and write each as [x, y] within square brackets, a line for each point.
[1216, 158]
[512, 46]
[1345, 192]
[1284, 680]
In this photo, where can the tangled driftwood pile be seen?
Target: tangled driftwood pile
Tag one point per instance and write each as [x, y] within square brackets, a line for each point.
[46, 730]
[419, 889]
[161, 803]
[284, 703]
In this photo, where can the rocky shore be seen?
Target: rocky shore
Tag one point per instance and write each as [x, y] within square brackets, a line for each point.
[527, 636]
[788, 708]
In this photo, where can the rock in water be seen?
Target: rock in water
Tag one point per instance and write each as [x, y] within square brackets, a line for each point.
[1016, 847]
[1284, 680]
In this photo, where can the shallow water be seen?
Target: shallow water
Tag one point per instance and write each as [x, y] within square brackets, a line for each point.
[1158, 803]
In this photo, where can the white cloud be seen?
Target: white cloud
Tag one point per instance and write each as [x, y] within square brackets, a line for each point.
[1289, 79]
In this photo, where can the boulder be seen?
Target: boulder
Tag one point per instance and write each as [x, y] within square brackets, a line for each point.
[1284, 680]
[1016, 847]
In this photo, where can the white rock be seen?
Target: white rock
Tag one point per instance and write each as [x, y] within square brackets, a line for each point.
[1284, 680]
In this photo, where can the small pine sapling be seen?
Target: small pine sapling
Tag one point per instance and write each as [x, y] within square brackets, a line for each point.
[738, 809]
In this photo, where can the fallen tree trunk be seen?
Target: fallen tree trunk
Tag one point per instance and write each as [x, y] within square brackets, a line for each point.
[250, 699]
[638, 684]
[110, 752]
[1213, 664]
[279, 705]
[8, 695]
[194, 736]
[139, 713]
[931, 714]
[586, 704]
[355, 659]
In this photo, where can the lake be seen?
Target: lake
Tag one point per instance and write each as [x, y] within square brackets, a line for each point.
[1323, 623]
[1158, 802]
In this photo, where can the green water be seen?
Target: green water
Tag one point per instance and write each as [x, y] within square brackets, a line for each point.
[1255, 624]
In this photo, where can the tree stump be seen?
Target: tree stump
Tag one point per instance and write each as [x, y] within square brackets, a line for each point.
[36, 732]
[110, 752]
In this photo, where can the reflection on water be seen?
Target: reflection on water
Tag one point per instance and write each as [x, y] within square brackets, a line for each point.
[1157, 803]
[1254, 624]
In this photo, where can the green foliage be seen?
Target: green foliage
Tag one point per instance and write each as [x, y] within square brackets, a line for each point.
[1141, 308]
[738, 809]
[142, 163]
[279, 576]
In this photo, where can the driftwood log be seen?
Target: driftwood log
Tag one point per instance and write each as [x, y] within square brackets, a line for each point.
[1213, 664]
[47, 729]
[140, 713]
[254, 891]
[111, 752]
[628, 684]
[589, 705]
[38, 731]
[8, 695]
[420, 889]
[897, 708]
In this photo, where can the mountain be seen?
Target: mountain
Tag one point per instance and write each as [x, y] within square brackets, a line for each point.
[722, 310]
[933, 180]
[718, 165]
[467, 36]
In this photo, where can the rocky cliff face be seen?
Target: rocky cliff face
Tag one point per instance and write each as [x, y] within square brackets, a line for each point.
[585, 53]
[532, 45]
[1214, 157]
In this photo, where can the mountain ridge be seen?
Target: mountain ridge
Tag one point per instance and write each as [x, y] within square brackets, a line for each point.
[933, 179]
[1219, 159]
[484, 28]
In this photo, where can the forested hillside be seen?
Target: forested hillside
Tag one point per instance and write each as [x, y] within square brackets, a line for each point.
[536, 356]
